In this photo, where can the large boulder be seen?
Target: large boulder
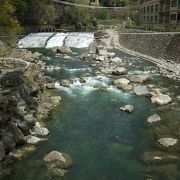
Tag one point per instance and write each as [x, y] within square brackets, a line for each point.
[119, 71]
[38, 130]
[123, 84]
[65, 83]
[167, 141]
[57, 159]
[141, 90]
[161, 99]
[154, 118]
[138, 78]
[93, 48]
[18, 135]
[121, 81]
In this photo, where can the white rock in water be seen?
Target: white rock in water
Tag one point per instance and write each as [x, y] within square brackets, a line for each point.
[120, 71]
[154, 118]
[34, 140]
[121, 81]
[127, 108]
[161, 99]
[167, 141]
[141, 90]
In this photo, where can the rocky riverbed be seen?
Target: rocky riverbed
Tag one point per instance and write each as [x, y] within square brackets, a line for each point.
[116, 110]
[24, 100]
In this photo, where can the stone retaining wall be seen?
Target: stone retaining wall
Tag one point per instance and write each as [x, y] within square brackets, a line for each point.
[160, 46]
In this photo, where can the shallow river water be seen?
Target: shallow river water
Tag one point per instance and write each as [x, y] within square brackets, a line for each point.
[104, 142]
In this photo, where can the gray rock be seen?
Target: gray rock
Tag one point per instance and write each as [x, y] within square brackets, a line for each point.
[161, 99]
[39, 131]
[34, 140]
[2, 151]
[62, 50]
[154, 118]
[127, 108]
[57, 159]
[119, 71]
[36, 55]
[167, 141]
[121, 81]
[18, 135]
[65, 83]
[8, 141]
[138, 78]
[21, 152]
[141, 90]
[24, 127]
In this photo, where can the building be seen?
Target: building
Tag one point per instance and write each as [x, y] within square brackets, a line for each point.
[160, 14]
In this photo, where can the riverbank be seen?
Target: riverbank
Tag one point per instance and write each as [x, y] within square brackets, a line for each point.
[162, 49]
[24, 102]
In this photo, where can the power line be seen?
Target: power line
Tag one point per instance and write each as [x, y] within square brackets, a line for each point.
[89, 6]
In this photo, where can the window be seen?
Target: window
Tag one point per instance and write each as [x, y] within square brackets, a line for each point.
[152, 8]
[151, 19]
[148, 8]
[156, 7]
[156, 19]
[147, 19]
[144, 9]
[173, 3]
[144, 19]
[173, 17]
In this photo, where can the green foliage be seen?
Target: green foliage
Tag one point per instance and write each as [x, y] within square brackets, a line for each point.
[102, 14]
[8, 23]
[73, 16]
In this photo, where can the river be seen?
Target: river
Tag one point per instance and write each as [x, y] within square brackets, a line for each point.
[104, 142]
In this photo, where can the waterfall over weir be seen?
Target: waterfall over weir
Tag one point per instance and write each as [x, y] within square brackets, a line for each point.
[50, 40]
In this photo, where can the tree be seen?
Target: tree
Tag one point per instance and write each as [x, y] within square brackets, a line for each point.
[8, 22]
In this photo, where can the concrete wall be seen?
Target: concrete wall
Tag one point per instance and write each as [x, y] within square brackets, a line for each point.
[166, 46]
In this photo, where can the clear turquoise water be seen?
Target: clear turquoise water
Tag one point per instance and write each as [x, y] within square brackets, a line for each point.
[105, 143]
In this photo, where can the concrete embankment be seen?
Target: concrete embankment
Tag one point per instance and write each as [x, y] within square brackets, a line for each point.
[158, 45]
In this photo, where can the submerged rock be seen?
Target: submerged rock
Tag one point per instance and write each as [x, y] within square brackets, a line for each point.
[161, 99]
[127, 108]
[57, 159]
[154, 118]
[23, 151]
[141, 90]
[158, 157]
[167, 141]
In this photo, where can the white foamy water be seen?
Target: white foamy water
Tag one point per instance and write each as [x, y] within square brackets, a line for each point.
[78, 69]
[56, 40]
[50, 40]
[34, 40]
[79, 40]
